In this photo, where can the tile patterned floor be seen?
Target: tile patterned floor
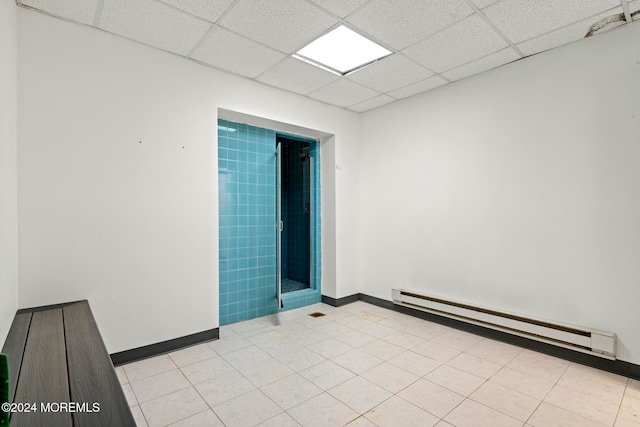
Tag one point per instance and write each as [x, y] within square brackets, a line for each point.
[362, 365]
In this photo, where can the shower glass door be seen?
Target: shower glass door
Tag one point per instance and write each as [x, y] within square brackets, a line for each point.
[279, 225]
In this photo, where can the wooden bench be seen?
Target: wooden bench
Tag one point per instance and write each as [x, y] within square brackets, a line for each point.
[56, 357]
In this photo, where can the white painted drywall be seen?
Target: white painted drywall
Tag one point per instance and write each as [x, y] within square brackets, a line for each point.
[517, 189]
[130, 225]
[8, 167]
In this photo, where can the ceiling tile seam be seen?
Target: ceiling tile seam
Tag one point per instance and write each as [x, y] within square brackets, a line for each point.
[369, 36]
[322, 9]
[359, 8]
[182, 11]
[227, 11]
[324, 86]
[366, 3]
[324, 102]
[221, 25]
[343, 21]
[213, 67]
[613, 11]
[256, 78]
[249, 39]
[483, 57]
[141, 43]
[333, 27]
[352, 27]
[331, 15]
[271, 68]
[199, 42]
[397, 88]
[420, 81]
[625, 9]
[378, 93]
[372, 98]
[136, 41]
[96, 16]
[324, 33]
[495, 28]
[448, 80]
[53, 15]
[375, 40]
[288, 90]
[434, 33]
[369, 87]
[433, 72]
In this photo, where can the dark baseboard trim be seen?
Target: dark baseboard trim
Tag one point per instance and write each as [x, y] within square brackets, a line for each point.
[340, 301]
[46, 307]
[157, 349]
[615, 366]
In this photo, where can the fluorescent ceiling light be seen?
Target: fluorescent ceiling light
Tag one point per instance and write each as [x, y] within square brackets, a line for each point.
[342, 51]
[226, 129]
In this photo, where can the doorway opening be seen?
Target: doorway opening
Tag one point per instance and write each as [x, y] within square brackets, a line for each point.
[296, 207]
[251, 226]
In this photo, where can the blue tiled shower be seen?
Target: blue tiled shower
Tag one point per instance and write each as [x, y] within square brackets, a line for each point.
[247, 222]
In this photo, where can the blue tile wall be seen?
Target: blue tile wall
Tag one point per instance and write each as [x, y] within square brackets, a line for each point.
[247, 212]
[247, 224]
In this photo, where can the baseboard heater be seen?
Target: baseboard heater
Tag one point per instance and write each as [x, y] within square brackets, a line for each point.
[577, 338]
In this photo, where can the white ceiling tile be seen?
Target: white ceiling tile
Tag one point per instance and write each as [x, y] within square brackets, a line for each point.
[153, 23]
[206, 9]
[401, 23]
[458, 44]
[390, 73]
[416, 88]
[563, 35]
[297, 76]
[231, 52]
[483, 3]
[75, 10]
[372, 103]
[343, 93]
[285, 25]
[442, 35]
[520, 20]
[341, 8]
[483, 64]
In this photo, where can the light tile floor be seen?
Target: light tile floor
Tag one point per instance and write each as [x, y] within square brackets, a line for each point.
[362, 365]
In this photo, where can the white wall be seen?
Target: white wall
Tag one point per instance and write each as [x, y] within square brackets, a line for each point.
[8, 167]
[133, 226]
[515, 189]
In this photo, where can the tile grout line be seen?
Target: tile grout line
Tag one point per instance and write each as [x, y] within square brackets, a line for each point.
[349, 325]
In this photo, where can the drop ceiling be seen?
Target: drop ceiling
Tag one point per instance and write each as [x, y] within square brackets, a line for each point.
[434, 42]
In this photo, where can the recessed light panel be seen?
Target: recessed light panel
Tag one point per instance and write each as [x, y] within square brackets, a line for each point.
[342, 51]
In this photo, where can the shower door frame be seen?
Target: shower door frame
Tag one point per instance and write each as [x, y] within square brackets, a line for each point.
[312, 213]
[279, 224]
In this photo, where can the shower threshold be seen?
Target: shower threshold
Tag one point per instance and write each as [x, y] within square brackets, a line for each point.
[289, 285]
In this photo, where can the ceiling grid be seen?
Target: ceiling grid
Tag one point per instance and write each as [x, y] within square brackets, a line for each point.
[433, 43]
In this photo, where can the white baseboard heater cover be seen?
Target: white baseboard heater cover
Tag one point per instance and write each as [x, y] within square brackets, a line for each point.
[585, 340]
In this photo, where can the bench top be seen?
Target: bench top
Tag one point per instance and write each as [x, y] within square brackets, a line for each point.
[56, 357]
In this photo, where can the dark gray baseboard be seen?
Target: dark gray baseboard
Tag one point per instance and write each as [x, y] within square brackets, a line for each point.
[619, 367]
[340, 301]
[157, 349]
